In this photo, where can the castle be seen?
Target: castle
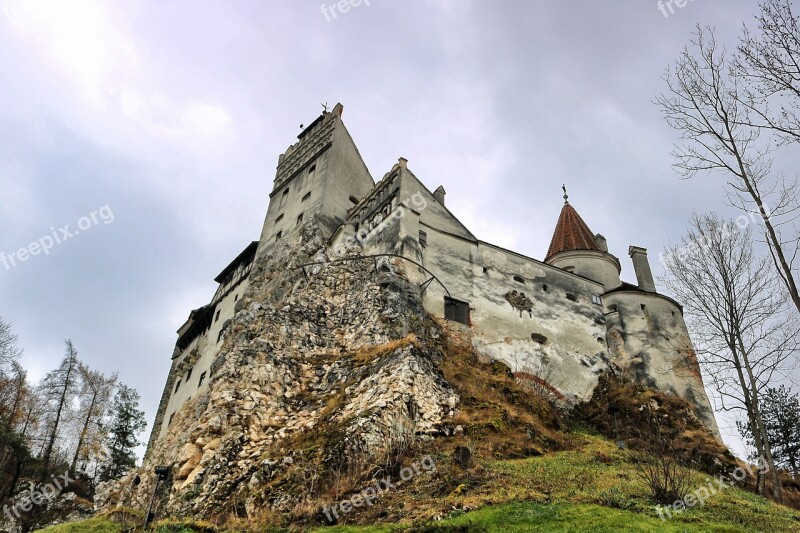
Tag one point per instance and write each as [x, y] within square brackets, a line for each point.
[560, 322]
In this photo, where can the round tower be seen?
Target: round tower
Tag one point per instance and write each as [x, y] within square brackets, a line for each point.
[576, 249]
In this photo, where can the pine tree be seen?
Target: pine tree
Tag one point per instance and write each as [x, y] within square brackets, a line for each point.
[127, 422]
[781, 412]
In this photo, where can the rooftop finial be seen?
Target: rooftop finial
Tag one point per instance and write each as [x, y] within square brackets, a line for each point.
[566, 196]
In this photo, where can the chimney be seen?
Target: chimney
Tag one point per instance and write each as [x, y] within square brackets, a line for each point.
[642, 267]
[439, 193]
[601, 243]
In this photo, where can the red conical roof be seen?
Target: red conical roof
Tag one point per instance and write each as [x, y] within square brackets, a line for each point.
[571, 233]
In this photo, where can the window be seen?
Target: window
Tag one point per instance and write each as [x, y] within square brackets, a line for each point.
[177, 386]
[520, 279]
[202, 379]
[170, 419]
[485, 270]
[644, 307]
[286, 191]
[572, 297]
[278, 235]
[423, 239]
[456, 310]
[306, 197]
[544, 288]
[299, 219]
[219, 337]
[538, 338]
[612, 308]
[280, 217]
[596, 300]
[189, 374]
[217, 316]
[311, 170]
[236, 298]
[353, 200]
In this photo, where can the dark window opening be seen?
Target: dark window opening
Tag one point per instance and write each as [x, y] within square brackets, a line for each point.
[311, 170]
[202, 379]
[572, 297]
[456, 310]
[538, 337]
[353, 200]
[544, 288]
[177, 386]
[280, 217]
[519, 279]
[601, 340]
[170, 419]
[278, 235]
[485, 270]
[219, 337]
[423, 239]
[236, 298]
[306, 197]
[300, 218]
[286, 191]
[644, 307]
[217, 317]
[189, 374]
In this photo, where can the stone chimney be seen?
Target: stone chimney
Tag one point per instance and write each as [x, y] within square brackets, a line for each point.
[601, 243]
[439, 193]
[642, 267]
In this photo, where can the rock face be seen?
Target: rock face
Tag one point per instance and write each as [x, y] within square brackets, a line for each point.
[324, 368]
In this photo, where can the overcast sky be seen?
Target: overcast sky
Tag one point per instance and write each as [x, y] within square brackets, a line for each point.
[166, 120]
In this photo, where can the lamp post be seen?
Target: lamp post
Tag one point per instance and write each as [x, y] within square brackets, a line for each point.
[162, 473]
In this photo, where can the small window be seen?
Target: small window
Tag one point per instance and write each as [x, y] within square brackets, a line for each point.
[423, 239]
[644, 307]
[311, 170]
[519, 279]
[544, 288]
[189, 374]
[219, 336]
[572, 297]
[596, 300]
[485, 270]
[601, 340]
[201, 380]
[217, 316]
[280, 217]
[286, 191]
[171, 417]
[353, 200]
[177, 386]
[236, 298]
[456, 310]
[306, 197]
[300, 219]
[613, 308]
[538, 338]
[278, 235]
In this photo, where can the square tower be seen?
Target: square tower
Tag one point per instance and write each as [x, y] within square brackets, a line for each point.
[321, 176]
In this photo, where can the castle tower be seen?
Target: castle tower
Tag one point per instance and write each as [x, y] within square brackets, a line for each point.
[321, 176]
[576, 249]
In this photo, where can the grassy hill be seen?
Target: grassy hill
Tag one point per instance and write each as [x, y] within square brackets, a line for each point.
[592, 488]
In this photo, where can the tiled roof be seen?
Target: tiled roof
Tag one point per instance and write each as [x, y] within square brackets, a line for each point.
[571, 233]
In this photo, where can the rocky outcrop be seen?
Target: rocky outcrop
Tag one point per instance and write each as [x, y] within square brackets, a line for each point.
[325, 369]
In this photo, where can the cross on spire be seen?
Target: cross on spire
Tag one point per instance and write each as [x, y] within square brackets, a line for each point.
[566, 196]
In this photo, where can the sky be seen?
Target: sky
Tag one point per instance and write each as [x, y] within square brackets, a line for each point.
[140, 140]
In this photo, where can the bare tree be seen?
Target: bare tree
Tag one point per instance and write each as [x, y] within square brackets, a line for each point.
[58, 389]
[95, 394]
[737, 313]
[9, 347]
[710, 102]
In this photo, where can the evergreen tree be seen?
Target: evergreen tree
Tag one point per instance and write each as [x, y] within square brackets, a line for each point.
[781, 412]
[127, 422]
